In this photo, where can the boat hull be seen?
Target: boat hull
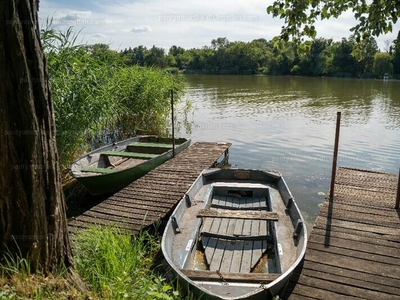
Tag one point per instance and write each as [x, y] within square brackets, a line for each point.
[115, 181]
[185, 236]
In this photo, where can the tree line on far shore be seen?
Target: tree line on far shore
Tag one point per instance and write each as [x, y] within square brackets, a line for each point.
[319, 57]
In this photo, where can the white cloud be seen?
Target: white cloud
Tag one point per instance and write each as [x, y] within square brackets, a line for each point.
[188, 23]
[141, 29]
[99, 35]
[76, 15]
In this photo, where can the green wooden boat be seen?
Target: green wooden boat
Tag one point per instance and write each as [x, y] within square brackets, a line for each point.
[110, 168]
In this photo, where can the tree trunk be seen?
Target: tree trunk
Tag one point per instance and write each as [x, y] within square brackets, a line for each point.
[32, 208]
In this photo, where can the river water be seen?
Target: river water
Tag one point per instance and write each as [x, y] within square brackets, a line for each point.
[288, 124]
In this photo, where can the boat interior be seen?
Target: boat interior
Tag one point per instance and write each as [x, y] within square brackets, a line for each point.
[124, 156]
[235, 234]
[236, 241]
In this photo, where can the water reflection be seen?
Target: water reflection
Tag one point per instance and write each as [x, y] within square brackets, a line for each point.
[288, 124]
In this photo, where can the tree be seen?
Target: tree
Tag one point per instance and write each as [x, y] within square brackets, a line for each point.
[364, 52]
[102, 52]
[343, 61]
[176, 59]
[382, 64]
[314, 62]
[155, 57]
[32, 208]
[300, 15]
[219, 42]
[176, 50]
[281, 57]
[396, 54]
[135, 56]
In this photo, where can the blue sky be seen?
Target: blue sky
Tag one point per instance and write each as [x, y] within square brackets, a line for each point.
[185, 23]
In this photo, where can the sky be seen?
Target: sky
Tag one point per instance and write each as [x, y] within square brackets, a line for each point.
[186, 23]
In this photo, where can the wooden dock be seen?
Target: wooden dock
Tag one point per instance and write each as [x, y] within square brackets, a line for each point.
[354, 247]
[147, 201]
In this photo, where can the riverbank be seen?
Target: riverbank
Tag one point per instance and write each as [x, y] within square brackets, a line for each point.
[112, 264]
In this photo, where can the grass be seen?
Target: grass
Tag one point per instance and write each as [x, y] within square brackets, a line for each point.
[112, 264]
[17, 282]
[118, 266]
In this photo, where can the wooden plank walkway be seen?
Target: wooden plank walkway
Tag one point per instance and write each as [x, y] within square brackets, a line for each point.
[354, 247]
[148, 200]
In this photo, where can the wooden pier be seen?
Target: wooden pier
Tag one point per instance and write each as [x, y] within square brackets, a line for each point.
[148, 200]
[354, 247]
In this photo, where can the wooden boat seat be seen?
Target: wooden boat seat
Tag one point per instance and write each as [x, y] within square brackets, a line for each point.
[98, 170]
[239, 214]
[204, 275]
[129, 154]
[156, 145]
[267, 237]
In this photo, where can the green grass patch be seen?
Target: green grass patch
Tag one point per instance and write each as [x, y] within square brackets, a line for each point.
[112, 264]
[118, 266]
[17, 282]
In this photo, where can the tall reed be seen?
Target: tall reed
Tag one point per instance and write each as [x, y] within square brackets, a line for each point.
[95, 94]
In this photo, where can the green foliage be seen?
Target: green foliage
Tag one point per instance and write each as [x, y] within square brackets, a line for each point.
[117, 266]
[343, 61]
[93, 91]
[113, 265]
[17, 281]
[153, 57]
[382, 64]
[396, 54]
[364, 53]
[82, 93]
[144, 98]
[373, 18]
[12, 264]
[317, 57]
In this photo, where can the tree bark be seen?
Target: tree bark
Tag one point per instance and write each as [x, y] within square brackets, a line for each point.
[33, 221]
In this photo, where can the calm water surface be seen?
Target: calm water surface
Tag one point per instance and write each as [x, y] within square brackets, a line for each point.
[288, 124]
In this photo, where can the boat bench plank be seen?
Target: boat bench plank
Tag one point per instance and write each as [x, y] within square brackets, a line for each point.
[254, 237]
[129, 154]
[155, 145]
[239, 214]
[201, 275]
[98, 170]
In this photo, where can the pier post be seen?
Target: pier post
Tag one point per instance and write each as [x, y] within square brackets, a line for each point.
[172, 122]
[335, 155]
[398, 192]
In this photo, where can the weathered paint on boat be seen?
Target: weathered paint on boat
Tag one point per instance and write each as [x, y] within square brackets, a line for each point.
[184, 233]
[109, 179]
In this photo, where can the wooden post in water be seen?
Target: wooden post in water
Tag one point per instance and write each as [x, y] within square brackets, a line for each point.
[398, 193]
[172, 122]
[335, 155]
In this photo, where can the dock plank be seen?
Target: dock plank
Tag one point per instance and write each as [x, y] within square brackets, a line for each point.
[150, 199]
[353, 249]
